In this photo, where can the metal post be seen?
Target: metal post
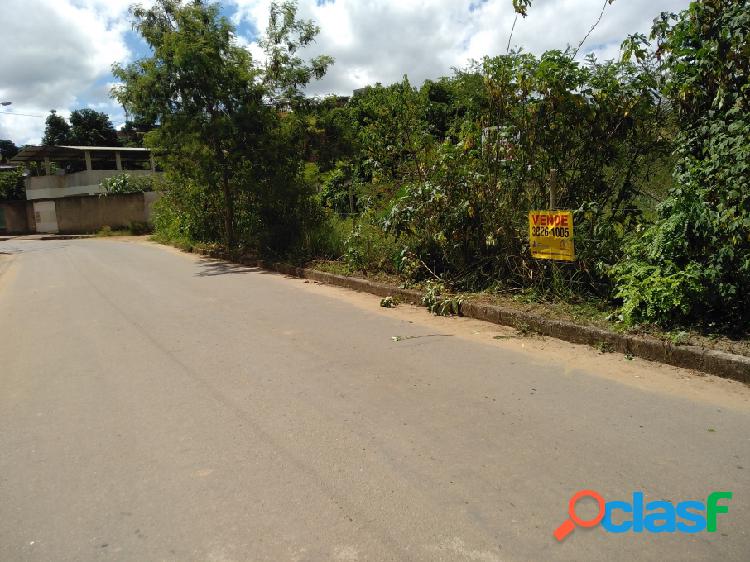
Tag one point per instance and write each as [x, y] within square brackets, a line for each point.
[87, 157]
[552, 189]
[118, 160]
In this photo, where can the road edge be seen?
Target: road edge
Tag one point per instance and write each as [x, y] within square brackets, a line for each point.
[714, 362]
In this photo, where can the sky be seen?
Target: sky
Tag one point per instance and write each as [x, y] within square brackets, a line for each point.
[58, 54]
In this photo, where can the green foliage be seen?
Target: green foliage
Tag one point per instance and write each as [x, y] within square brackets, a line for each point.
[233, 159]
[138, 228]
[693, 263]
[369, 248]
[8, 150]
[515, 118]
[87, 128]
[329, 134]
[387, 302]
[521, 7]
[435, 182]
[327, 240]
[440, 304]
[127, 183]
[342, 192]
[285, 71]
[56, 130]
[91, 128]
[391, 134]
[187, 213]
[12, 186]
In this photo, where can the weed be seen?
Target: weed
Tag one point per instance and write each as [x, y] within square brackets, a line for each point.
[526, 330]
[438, 304]
[107, 230]
[678, 337]
[388, 302]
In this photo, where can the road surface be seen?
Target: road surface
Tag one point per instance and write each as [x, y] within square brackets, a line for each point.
[160, 406]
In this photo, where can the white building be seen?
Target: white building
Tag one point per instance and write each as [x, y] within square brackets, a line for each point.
[62, 171]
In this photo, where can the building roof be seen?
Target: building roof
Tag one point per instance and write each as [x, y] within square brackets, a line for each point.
[107, 148]
[64, 152]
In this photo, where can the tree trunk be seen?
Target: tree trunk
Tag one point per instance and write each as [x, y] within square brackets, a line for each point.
[228, 211]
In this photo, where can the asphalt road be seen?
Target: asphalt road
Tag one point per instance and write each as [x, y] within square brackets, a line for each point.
[158, 406]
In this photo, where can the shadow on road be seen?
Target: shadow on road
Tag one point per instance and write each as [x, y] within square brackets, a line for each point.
[211, 267]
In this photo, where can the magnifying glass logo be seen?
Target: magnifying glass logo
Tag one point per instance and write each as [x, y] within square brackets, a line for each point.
[570, 524]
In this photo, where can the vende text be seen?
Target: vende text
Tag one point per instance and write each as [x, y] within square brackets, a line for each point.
[550, 220]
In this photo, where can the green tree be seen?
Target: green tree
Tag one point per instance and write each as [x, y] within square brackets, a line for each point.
[218, 133]
[8, 150]
[56, 130]
[92, 128]
[693, 263]
[133, 132]
[286, 73]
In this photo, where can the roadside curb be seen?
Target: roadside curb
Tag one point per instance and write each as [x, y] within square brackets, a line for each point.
[47, 237]
[67, 237]
[719, 363]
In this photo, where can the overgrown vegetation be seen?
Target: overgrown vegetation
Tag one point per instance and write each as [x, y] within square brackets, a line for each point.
[692, 264]
[12, 185]
[135, 228]
[434, 183]
[229, 130]
[128, 183]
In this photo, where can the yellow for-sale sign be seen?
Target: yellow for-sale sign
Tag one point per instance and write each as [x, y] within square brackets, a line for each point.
[551, 235]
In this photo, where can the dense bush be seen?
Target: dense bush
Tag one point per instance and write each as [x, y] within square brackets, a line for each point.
[12, 185]
[128, 183]
[651, 153]
[454, 166]
[693, 263]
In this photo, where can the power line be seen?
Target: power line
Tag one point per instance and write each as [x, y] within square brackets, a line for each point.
[21, 114]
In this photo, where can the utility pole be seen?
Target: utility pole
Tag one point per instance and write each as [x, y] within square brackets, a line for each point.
[552, 189]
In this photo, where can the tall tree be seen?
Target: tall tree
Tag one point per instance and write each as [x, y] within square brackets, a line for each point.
[56, 130]
[92, 128]
[285, 72]
[211, 101]
[8, 150]
[133, 132]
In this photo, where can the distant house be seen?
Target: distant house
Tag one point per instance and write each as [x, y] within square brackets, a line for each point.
[63, 171]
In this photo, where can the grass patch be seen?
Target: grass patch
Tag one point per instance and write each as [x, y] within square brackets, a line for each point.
[106, 231]
[135, 228]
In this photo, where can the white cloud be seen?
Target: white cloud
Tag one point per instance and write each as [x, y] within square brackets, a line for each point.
[55, 52]
[381, 40]
[58, 53]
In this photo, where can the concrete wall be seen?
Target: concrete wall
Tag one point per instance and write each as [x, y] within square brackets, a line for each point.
[82, 214]
[16, 217]
[149, 198]
[86, 182]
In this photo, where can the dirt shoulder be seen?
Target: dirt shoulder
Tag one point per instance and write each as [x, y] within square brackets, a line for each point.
[571, 358]
[593, 314]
